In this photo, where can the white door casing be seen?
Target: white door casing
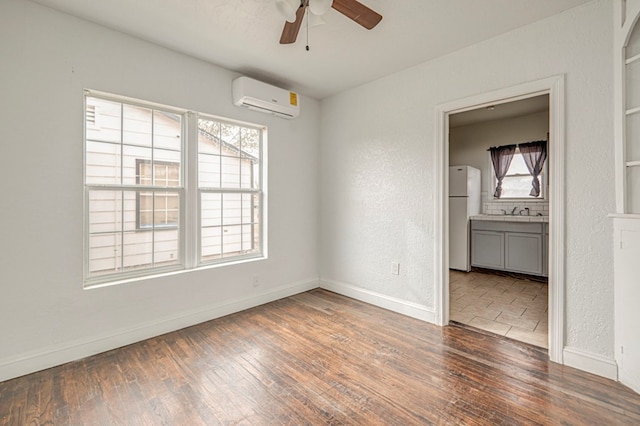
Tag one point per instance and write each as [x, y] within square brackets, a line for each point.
[554, 87]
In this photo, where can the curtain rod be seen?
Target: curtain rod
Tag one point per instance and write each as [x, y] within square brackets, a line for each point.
[517, 144]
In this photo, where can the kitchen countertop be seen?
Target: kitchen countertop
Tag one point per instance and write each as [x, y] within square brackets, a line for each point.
[510, 218]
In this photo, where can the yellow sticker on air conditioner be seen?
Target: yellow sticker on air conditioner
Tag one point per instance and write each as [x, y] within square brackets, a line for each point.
[293, 98]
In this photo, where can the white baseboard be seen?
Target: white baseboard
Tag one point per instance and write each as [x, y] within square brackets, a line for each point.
[411, 309]
[52, 356]
[630, 380]
[591, 363]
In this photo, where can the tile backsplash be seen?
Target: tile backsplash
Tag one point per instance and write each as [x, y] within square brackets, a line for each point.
[535, 207]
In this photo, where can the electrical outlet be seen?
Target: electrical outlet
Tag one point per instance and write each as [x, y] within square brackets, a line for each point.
[395, 268]
[256, 281]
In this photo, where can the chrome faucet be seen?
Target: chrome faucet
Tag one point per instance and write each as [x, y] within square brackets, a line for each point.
[527, 209]
[504, 212]
[513, 212]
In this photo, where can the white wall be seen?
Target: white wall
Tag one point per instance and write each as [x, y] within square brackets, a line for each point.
[468, 144]
[46, 317]
[378, 159]
[626, 255]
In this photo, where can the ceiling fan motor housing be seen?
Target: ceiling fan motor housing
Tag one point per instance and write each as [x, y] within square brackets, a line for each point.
[293, 11]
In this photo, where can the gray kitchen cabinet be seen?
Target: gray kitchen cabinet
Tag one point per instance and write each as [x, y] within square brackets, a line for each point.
[545, 251]
[523, 253]
[509, 246]
[487, 248]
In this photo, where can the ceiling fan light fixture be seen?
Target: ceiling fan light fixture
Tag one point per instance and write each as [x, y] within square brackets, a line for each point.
[287, 9]
[320, 7]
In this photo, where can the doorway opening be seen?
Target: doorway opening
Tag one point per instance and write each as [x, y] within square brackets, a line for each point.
[547, 93]
[498, 241]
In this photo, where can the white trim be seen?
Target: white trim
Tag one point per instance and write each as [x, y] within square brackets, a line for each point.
[632, 111]
[591, 363]
[264, 185]
[554, 87]
[633, 59]
[619, 103]
[556, 218]
[624, 216]
[133, 101]
[190, 223]
[410, 309]
[441, 219]
[630, 380]
[51, 356]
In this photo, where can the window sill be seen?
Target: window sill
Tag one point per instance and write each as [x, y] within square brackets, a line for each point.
[99, 282]
[631, 216]
[518, 200]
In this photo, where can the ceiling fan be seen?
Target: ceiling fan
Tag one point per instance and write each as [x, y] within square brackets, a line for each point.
[293, 11]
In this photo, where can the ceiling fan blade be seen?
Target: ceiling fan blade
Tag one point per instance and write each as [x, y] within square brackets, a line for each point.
[357, 12]
[291, 29]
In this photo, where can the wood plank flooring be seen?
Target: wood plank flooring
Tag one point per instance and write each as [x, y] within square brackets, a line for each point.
[317, 358]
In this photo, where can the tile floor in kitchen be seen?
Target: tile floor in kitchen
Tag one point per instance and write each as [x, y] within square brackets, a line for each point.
[511, 306]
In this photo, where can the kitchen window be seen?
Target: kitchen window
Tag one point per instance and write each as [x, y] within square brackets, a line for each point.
[141, 217]
[517, 182]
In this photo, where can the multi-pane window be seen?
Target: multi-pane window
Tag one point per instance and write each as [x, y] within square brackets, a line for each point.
[229, 185]
[517, 181]
[137, 207]
[157, 209]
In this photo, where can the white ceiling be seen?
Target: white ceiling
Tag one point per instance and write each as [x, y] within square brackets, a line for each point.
[501, 111]
[243, 35]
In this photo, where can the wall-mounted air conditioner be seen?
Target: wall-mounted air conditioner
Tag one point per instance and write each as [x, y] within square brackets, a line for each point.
[263, 97]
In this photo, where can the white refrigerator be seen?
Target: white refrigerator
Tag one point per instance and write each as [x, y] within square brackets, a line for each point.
[464, 201]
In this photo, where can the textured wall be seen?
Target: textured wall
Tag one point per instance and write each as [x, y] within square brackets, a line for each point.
[48, 58]
[378, 153]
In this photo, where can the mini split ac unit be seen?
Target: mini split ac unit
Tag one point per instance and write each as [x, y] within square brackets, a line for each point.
[259, 96]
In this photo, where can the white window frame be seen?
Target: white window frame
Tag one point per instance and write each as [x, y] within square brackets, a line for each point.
[225, 190]
[189, 216]
[494, 182]
[139, 225]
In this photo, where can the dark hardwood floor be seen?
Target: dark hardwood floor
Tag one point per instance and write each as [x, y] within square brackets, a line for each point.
[317, 358]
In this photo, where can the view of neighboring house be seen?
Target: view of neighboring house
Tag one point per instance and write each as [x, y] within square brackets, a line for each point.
[133, 167]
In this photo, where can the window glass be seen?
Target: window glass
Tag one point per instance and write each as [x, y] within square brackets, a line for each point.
[517, 182]
[129, 229]
[137, 205]
[228, 160]
[159, 208]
